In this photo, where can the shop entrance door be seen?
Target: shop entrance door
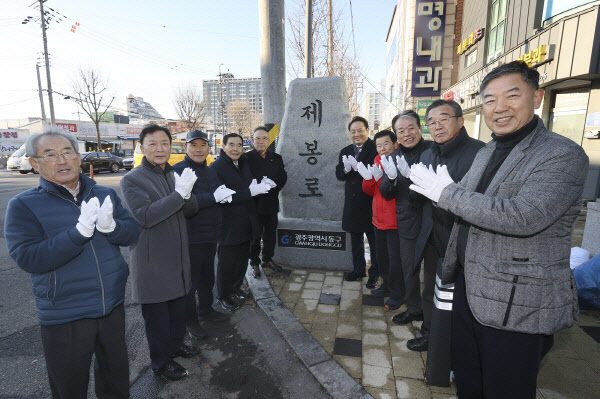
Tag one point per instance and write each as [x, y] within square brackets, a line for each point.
[567, 116]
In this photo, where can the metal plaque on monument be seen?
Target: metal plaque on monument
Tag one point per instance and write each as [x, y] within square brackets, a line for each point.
[313, 131]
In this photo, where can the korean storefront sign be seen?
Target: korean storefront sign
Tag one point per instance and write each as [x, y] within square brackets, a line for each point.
[430, 21]
[534, 57]
[473, 38]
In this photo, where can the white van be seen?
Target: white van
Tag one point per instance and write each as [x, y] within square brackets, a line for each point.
[18, 161]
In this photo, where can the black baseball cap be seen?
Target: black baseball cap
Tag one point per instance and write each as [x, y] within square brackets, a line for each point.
[197, 134]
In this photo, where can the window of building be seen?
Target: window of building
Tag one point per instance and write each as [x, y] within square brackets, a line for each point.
[555, 7]
[470, 58]
[495, 39]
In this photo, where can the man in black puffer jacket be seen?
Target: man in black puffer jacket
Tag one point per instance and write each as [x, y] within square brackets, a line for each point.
[239, 220]
[202, 232]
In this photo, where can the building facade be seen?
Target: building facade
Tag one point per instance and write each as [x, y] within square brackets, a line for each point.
[561, 39]
[373, 108]
[246, 91]
[420, 54]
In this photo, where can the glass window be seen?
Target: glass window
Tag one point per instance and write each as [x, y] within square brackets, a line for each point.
[471, 58]
[555, 7]
[495, 40]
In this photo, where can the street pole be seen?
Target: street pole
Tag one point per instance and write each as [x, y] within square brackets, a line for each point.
[272, 60]
[50, 100]
[308, 40]
[330, 40]
[37, 69]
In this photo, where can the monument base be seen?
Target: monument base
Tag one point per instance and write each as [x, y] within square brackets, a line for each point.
[591, 231]
[313, 244]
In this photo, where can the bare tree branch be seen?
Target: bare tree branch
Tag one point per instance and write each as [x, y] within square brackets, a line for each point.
[90, 89]
[243, 118]
[190, 107]
[346, 63]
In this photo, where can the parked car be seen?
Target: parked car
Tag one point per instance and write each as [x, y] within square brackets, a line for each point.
[101, 161]
[128, 163]
[18, 161]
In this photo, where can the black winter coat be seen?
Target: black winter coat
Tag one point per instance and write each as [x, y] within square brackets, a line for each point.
[239, 222]
[272, 167]
[357, 216]
[457, 155]
[408, 203]
[203, 226]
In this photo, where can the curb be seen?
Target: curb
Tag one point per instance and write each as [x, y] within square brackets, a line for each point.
[336, 381]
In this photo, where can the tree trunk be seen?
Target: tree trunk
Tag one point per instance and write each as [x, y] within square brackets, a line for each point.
[99, 144]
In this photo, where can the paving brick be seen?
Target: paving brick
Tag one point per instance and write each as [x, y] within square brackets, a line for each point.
[316, 277]
[330, 299]
[378, 377]
[378, 393]
[348, 331]
[347, 347]
[313, 285]
[337, 381]
[294, 287]
[332, 280]
[374, 324]
[377, 357]
[352, 285]
[413, 389]
[372, 312]
[375, 339]
[311, 294]
[326, 338]
[409, 367]
[332, 289]
[353, 365]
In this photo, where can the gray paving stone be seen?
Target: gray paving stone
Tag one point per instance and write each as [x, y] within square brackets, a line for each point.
[338, 382]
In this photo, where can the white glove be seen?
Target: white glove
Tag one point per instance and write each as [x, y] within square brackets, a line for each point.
[87, 220]
[106, 223]
[402, 166]
[353, 162]
[185, 182]
[428, 183]
[364, 171]
[389, 167]
[376, 172]
[347, 166]
[258, 188]
[222, 193]
[266, 180]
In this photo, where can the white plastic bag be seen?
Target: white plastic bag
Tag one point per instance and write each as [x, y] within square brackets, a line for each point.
[578, 257]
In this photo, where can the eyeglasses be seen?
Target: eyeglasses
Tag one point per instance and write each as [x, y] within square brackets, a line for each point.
[443, 121]
[68, 155]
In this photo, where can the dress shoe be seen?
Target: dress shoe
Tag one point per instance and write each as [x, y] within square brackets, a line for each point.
[196, 331]
[405, 317]
[393, 304]
[272, 265]
[185, 351]
[171, 371]
[380, 292]
[255, 271]
[242, 294]
[354, 276]
[372, 282]
[228, 303]
[213, 315]
[418, 344]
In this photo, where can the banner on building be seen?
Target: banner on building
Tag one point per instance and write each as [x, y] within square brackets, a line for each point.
[430, 22]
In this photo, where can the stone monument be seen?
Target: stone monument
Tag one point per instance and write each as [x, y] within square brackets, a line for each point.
[313, 131]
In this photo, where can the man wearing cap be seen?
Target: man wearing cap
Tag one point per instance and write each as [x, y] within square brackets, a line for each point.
[202, 232]
[268, 166]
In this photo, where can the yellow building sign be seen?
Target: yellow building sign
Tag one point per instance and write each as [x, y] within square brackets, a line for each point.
[533, 57]
[473, 38]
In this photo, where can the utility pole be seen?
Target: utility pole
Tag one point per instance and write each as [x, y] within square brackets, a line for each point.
[308, 40]
[272, 60]
[50, 100]
[330, 40]
[37, 68]
[221, 101]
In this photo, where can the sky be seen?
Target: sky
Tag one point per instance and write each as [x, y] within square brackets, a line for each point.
[149, 48]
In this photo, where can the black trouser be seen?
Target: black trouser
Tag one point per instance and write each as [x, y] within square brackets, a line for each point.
[430, 260]
[68, 350]
[202, 264]
[267, 226]
[389, 262]
[358, 253]
[410, 274]
[492, 363]
[165, 329]
[233, 262]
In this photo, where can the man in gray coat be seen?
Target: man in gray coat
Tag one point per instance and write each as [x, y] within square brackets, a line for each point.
[159, 200]
[508, 253]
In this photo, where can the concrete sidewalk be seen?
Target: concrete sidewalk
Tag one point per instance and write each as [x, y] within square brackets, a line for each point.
[356, 330]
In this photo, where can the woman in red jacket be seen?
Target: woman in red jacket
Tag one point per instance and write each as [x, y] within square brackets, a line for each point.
[384, 219]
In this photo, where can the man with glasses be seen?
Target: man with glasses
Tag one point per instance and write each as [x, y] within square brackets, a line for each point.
[266, 166]
[508, 252]
[160, 199]
[66, 233]
[357, 213]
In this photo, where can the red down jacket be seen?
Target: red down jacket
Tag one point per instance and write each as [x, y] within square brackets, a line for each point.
[384, 210]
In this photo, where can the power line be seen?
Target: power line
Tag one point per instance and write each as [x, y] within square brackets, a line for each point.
[18, 102]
